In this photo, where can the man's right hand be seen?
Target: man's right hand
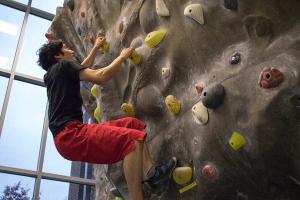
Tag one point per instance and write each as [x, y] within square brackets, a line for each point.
[125, 53]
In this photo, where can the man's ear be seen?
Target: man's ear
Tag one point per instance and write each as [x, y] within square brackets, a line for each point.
[58, 57]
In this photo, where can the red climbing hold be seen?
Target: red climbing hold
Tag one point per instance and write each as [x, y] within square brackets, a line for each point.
[92, 39]
[270, 78]
[199, 88]
[82, 14]
[120, 28]
[49, 36]
[209, 171]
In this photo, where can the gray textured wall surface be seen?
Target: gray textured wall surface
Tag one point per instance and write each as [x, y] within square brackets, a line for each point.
[255, 92]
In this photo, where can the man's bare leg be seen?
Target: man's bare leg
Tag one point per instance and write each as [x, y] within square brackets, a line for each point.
[133, 166]
[147, 160]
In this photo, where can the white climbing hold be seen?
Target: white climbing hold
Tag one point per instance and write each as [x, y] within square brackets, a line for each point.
[200, 113]
[195, 12]
[165, 72]
[162, 9]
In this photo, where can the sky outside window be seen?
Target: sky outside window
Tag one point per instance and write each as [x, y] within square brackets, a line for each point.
[53, 161]
[33, 40]
[9, 34]
[48, 6]
[23, 124]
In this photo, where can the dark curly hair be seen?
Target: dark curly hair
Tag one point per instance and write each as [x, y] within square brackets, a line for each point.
[47, 52]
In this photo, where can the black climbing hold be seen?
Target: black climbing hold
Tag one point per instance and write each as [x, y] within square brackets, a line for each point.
[78, 30]
[295, 100]
[213, 95]
[70, 4]
[235, 59]
[231, 4]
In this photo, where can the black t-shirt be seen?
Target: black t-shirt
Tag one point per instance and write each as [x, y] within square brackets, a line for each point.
[63, 91]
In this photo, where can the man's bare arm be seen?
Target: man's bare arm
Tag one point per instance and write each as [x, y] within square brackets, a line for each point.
[89, 60]
[101, 76]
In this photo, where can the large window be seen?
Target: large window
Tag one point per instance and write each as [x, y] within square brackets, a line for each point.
[29, 162]
[37, 27]
[9, 34]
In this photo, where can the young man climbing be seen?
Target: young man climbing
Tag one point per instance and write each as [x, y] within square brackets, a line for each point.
[106, 143]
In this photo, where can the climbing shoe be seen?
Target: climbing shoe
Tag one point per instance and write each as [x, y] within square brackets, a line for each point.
[162, 174]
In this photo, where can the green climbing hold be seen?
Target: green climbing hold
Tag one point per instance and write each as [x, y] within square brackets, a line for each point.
[182, 175]
[155, 37]
[97, 114]
[94, 91]
[135, 58]
[105, 46]
[237, 141]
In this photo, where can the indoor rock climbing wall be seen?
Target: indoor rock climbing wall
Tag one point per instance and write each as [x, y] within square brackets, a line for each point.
[217, 82]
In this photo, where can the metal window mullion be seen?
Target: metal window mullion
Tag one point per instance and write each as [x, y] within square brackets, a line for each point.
[41, 157]
[48, 176]
[13, 70]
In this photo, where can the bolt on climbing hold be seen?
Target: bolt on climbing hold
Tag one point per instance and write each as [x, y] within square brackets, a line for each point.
[195, 12]
[82, 14]
[182, 175]
[173, 104]
[200, 113]
[188, 187]
[161, 9]
[155, 37]
[235, 59]
[97, 114]
[231, 4]
[199, 88]
[165, 72]
[135, 57]
[237, 141]
[213, 95]
[209, 171]
[128, 109]
[270, 78]
[94, 91]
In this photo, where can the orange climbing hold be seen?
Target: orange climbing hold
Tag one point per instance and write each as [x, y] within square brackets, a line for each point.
[82, 14]
[49, 36]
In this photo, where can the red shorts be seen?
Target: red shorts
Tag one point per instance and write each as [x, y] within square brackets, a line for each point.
[105, 143]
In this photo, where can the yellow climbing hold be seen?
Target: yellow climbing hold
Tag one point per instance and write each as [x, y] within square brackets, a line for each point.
[182, 175]
[135, 58]
[128, 109]
[118, 198]
[237, 140]
[105, 46]
[94, 91]
[155, 37]
[173, 104]
[97, 114]
[188, 187]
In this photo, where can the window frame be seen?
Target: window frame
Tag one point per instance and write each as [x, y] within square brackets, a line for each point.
[12, 75]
